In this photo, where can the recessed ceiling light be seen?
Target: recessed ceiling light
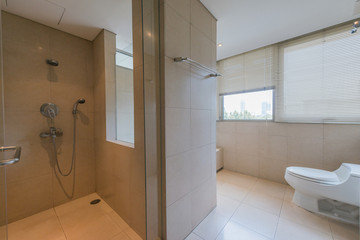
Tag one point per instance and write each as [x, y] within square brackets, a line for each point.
[219, 44]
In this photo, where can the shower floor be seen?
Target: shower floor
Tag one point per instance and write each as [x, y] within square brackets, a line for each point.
[75, 220]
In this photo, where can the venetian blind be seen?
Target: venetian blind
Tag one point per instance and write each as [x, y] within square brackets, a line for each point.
[319, 78]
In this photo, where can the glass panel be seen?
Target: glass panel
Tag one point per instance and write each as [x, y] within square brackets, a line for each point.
[3, 217]
[248, 106]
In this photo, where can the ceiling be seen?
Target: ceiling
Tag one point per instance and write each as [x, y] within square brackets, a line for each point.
[243, 25]
[83, 18]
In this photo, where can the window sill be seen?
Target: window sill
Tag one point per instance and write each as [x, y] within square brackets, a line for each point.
[126, 144]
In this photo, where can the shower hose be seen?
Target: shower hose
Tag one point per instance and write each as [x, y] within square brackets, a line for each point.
[73, 151]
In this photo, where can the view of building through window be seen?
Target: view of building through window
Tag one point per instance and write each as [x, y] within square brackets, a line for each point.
[257, 105]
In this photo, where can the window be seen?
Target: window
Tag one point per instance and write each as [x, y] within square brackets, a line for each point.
[250, 105]
[124, 85]
[319, 78]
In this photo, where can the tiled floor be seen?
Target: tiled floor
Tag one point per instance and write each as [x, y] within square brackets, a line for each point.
[75, 220]
[252, 209]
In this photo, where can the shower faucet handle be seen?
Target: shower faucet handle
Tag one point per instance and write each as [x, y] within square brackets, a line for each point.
[44, 134]
[53, 132]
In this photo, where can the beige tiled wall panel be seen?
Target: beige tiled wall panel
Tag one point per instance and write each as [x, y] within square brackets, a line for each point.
[190, 114]
[265, 149]
[120, 178]
[30, 82]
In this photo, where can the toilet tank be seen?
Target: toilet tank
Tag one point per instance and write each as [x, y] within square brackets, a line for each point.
[219, 159]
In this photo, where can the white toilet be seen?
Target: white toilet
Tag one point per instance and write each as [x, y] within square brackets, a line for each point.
[334, 194]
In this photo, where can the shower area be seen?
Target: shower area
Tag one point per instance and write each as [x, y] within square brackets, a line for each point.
[73, 118]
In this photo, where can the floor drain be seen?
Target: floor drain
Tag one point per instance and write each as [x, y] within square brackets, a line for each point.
[96, 201]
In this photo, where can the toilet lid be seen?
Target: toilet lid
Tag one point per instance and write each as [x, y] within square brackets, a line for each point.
[313, 174]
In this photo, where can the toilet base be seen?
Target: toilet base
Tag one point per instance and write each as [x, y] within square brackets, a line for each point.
[328, 207]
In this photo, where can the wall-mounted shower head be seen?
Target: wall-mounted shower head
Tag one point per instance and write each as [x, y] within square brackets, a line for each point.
[79, 101]
[52, 62]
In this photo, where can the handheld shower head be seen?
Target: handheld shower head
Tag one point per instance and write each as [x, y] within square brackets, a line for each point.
[79, 101]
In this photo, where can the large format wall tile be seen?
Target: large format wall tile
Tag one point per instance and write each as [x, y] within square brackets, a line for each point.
[32, 185]
[190, 116]
[280, 145]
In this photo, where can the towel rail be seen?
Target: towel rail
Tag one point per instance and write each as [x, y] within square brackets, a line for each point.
[212, 72]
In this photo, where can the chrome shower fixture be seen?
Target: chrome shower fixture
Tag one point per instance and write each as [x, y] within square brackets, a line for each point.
[52, 62]
[49, 110]
[356, 25]
[79, 101]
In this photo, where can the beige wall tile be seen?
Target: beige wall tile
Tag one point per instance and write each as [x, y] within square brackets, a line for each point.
[305, 130]
[203, 201]
[177, 85]
[200, 124]
[178, 219]
[272, 169]
[177, 134]
[25, 90]
[201, 48]
[182, 7]
[190, 114]
[200, 165]
[177, 34]
[305, 150]
[280, 145]
[28, 197]
[201, 19]
[203, 90]
[179, 182]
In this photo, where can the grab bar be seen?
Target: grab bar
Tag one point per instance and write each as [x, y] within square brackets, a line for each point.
[13, 160]
[213, 73]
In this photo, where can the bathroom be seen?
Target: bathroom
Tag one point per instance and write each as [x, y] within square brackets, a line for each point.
[94, 93]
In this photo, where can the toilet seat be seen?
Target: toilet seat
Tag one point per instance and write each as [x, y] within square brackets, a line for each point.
[314, 175]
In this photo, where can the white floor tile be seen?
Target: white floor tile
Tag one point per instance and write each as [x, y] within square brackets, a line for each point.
[231, 191]
[234, 231]
[270, 188]
[41, 226]
[291, 230]
[256, 219]
[75, 220]
[211, 226]
[193, 236]
[258, 216]
[299, 215]
[226, 206]
[343, 231]
[265, 202]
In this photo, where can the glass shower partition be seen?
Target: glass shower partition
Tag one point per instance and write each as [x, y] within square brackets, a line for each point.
[3, 217]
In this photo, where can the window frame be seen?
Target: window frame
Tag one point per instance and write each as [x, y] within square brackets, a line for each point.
[221, 108]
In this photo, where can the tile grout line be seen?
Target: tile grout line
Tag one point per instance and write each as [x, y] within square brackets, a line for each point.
[331, 230]
[241, 202]
[281, 209]
[257, 180]
[60, 223]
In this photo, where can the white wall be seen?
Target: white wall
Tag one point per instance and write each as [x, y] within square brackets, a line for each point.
[190, 114]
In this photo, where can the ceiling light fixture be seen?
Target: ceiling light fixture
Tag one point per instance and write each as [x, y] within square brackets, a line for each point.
[356, 25]
[219, 44]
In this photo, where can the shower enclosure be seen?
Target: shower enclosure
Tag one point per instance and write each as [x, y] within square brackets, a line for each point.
[52, 62]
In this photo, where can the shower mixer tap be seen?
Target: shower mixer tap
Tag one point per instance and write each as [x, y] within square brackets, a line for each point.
[53, 132]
